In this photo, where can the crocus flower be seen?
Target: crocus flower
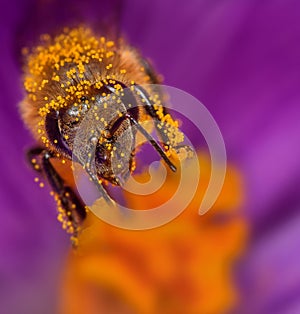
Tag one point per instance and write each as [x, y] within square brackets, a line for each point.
[182, 267]
[241, 59]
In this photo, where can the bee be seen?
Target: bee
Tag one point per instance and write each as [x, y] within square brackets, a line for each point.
[75, 78]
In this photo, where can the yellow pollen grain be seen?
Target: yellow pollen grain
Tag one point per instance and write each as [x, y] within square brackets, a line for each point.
[55, 78]
[110, 44]
[109, 54]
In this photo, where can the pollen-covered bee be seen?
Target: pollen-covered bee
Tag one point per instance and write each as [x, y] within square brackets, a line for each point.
[75, 77]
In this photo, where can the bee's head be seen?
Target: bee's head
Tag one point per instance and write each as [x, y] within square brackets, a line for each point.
[96, 133]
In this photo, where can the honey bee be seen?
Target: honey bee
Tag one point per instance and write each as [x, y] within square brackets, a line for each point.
[70, 76]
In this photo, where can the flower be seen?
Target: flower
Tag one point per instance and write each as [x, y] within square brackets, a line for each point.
[182, 267]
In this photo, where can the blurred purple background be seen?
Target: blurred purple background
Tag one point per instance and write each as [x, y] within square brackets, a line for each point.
[242, 60]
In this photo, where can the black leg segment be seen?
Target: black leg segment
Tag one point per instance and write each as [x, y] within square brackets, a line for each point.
[71, 204]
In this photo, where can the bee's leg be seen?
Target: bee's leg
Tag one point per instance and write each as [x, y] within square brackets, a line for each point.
[73, 208]
[149, 107]
[99, 186]
[92, 175]
[185, 150]
[152, 142]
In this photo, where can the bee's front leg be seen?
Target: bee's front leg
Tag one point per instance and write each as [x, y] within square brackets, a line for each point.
[149, 107]
[71, 210]
[160, 126]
